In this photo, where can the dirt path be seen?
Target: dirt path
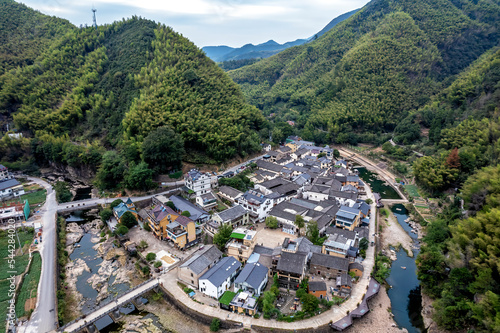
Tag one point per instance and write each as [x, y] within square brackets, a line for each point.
[394, 235]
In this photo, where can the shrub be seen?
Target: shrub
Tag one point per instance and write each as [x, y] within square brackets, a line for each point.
[151, 256]
[158, 264]
[215, 325]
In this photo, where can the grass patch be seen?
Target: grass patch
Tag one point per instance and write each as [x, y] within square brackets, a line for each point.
[412, 190]
[25, 237]
[29, 286]
[33, 198]
[175, 175]
[422, 207]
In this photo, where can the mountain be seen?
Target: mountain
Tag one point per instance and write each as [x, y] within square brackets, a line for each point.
[91, 90]
[267, 49]
[361, 78]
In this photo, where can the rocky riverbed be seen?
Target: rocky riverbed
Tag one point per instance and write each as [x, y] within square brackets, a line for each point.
[95, 262]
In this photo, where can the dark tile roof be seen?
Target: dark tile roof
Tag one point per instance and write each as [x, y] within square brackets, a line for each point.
[232, 213]
[356, 265]
[229, 191]
[330, 261]
[182, 204]
[202, 259]
[183, 220]
[8, 183]
[292, 262]
[253, 274]
[363, 232]
[221, 271]
[345, 233]
[317, 286]
[262, 250]
[269, 166]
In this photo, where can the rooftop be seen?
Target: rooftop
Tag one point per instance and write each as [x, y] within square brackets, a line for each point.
[183, 205]
[232, 213]
[202, 259]
[221, 271]
[292, 262]
[317, 286]
[253, 274]
[330, 261]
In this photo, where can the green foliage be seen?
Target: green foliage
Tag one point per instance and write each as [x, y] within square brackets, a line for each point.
[163, 149]
[139, 177]
[382, 268]
[223, 236]
[240, 182]
[115, 203]
[235, 64]
[312, 233]
[363, 244]
[369, 201]
[215, 325]
[171, 205]
[110, 173]
[271, 222]
[186, 213]
[299, 222]
[121, 229]
[145, 270]
[158, 264]
[268, 299]
[63, 193]
[309, 303]
[128, 219]
[151, 256]
[105, 214]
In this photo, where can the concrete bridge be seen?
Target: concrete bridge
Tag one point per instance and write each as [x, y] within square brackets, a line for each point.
[86, 322]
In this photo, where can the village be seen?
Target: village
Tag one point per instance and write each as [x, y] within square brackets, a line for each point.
[303, 229]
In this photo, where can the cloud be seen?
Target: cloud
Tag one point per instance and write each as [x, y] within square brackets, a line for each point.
[213, 22]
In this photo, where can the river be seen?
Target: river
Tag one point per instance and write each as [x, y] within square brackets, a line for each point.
[405, 295]
[378, 186]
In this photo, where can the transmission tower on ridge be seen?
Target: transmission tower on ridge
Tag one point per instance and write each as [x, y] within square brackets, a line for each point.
[95, 21]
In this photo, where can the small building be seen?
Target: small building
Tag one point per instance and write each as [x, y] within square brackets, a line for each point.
[253, 277]
[347, 218]
[206, 201]
[4, 173]
[10, 188]
[234, 216]
[219, 278]
[356, 268]
[318, 289]
[344, 285]
[12, 211]
[328, 266]
[291, 269]
[199, 263]
[124, 207]
[244, 302]
[229, 193]
[337, 245]
[241, 244]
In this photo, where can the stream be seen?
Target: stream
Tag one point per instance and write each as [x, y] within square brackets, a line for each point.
[378, 186]
[405, 295]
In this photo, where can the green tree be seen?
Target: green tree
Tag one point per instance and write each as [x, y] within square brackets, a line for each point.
[157, 264]
[128, 219]
[309, 303]
[363, 244]
[150, 256]
[223, 236]
[121, 230]
[299, 222]
[271, 222]
[163, 149]
[139, 177]
[63, 193]
[115, 203]
[215, 325]
[336, 153]
[369, 201]
[111, 171]
[186, 213]
[106, 214]
[312, 232]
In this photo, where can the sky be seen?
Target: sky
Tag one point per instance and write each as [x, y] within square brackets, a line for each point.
[211, 22]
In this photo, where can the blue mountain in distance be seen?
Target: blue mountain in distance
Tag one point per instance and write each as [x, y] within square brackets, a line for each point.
[267, 49]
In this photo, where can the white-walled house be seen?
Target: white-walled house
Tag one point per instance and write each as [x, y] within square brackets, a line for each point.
[258, 205]
[199, 183]
[219, 278]
[253, 277]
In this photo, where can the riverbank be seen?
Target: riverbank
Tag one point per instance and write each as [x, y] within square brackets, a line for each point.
[393, 235]
[379, 319]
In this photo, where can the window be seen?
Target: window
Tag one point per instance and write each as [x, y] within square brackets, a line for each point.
[192, 282]
[191, 274]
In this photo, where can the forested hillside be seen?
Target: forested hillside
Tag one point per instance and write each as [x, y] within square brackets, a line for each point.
[91, 90]
[370, 71]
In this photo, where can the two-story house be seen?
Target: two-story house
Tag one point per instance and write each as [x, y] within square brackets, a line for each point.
[158, 218]
[198, 264]
[124, 207]
[291, 269]
[234, 216]
[347, 218]
[219, 278]
[182, 232]
[253, 277]
[10, 188]
[257, 204]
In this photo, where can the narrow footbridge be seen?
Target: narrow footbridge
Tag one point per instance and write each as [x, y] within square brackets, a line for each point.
[86, 322]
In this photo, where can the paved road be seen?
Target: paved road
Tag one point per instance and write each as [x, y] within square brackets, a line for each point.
[111, 306]
[236, 167]
[44, 318]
